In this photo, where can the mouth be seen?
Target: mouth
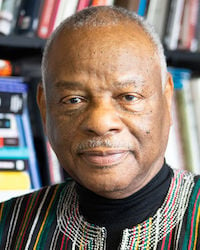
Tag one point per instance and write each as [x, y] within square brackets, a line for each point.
[102, 158]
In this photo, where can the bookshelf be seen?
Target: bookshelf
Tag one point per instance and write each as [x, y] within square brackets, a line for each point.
[25, 52]
[183, 58]
[15, 47]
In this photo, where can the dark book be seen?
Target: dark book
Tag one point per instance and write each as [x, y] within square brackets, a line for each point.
[28, 16]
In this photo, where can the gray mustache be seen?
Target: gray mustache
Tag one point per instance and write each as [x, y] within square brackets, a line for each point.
[107, 143]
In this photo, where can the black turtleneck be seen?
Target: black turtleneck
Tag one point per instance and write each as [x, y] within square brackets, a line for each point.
[117, 214]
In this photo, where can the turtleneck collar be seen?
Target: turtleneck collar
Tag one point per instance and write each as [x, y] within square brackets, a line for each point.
[129, 211]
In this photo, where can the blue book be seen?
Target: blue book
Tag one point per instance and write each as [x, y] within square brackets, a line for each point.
[25, 150]
[14, 153]
[178, 75]
[33, 165]
[142, 7]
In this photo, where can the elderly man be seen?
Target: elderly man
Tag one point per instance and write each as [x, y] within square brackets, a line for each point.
[105, 103]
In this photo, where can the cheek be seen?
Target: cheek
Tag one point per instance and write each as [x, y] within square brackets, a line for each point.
[60, 130]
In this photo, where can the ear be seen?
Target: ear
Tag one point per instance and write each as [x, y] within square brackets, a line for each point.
[41, 103]
[168, 93]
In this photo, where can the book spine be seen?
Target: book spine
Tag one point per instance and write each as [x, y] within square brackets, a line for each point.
[69, 9]
[6, 16]
[54, 166]
[187, 120]
[12, 180]
[197, 31]
[11, 103]
[175, 25]
[53, 16]
[33, 165]
[83, 4]
[27, 19]
[59, 14]
[130, 5]
[43, 27]
[192, 25]
[99, 2]
[142, 7]
[15, 165]
[156, 15]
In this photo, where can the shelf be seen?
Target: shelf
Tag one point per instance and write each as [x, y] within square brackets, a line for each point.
[21, 42]
[183, 59]
[13, 47]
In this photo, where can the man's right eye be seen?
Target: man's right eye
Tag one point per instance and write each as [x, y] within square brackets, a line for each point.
[72, 100]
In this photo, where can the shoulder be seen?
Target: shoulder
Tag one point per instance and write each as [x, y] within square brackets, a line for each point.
[190, 184]
[34, 201]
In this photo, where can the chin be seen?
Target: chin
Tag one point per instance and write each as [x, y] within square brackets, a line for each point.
[109, 187]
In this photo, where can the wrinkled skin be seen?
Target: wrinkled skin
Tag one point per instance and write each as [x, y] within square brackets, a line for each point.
[104, 109]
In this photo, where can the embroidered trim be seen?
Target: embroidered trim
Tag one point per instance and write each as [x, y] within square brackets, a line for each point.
[72, 224]
[143, 236]
[147, 234]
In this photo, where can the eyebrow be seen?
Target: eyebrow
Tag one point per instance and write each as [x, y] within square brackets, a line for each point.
[136, 82]
[68, 85]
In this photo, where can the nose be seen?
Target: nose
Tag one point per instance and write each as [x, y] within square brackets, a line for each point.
[102, 119]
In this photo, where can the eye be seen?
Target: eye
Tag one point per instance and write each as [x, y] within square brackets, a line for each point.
[128, 98]
[72, 100]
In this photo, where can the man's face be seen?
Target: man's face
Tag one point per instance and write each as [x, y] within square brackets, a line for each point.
[105, 113]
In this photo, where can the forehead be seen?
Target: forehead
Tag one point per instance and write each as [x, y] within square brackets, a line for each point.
[111, 49]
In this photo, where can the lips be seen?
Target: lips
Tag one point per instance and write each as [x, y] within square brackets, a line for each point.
[104, 158]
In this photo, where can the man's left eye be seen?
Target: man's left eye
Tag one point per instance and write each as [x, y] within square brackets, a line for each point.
[129, 98]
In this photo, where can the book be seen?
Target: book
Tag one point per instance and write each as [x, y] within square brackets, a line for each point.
[66, 9]
[195, 91]
[83, 4]
[33, 164]
[25, 149]
[56, 173]
[174, 24]
[15, 165]
[157, 15]
[193, 13]
[142, 8]
[14, 180]
[196, 41]
[129, 4]
[186, 116]
[187, 37]
[102, 2]
[46, 13]
[28, 17]
[53, 16]
[5, 68]
[174, 154]
[11, 102]
[6, 16]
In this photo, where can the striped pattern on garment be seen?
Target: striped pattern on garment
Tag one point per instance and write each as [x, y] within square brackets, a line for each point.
[31, 222]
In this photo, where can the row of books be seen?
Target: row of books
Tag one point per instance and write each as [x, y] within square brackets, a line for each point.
[41, 17]
[184, 141]
[176, 21]
[19, 171]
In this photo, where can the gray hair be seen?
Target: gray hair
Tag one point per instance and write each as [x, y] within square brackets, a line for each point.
[103, 16]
